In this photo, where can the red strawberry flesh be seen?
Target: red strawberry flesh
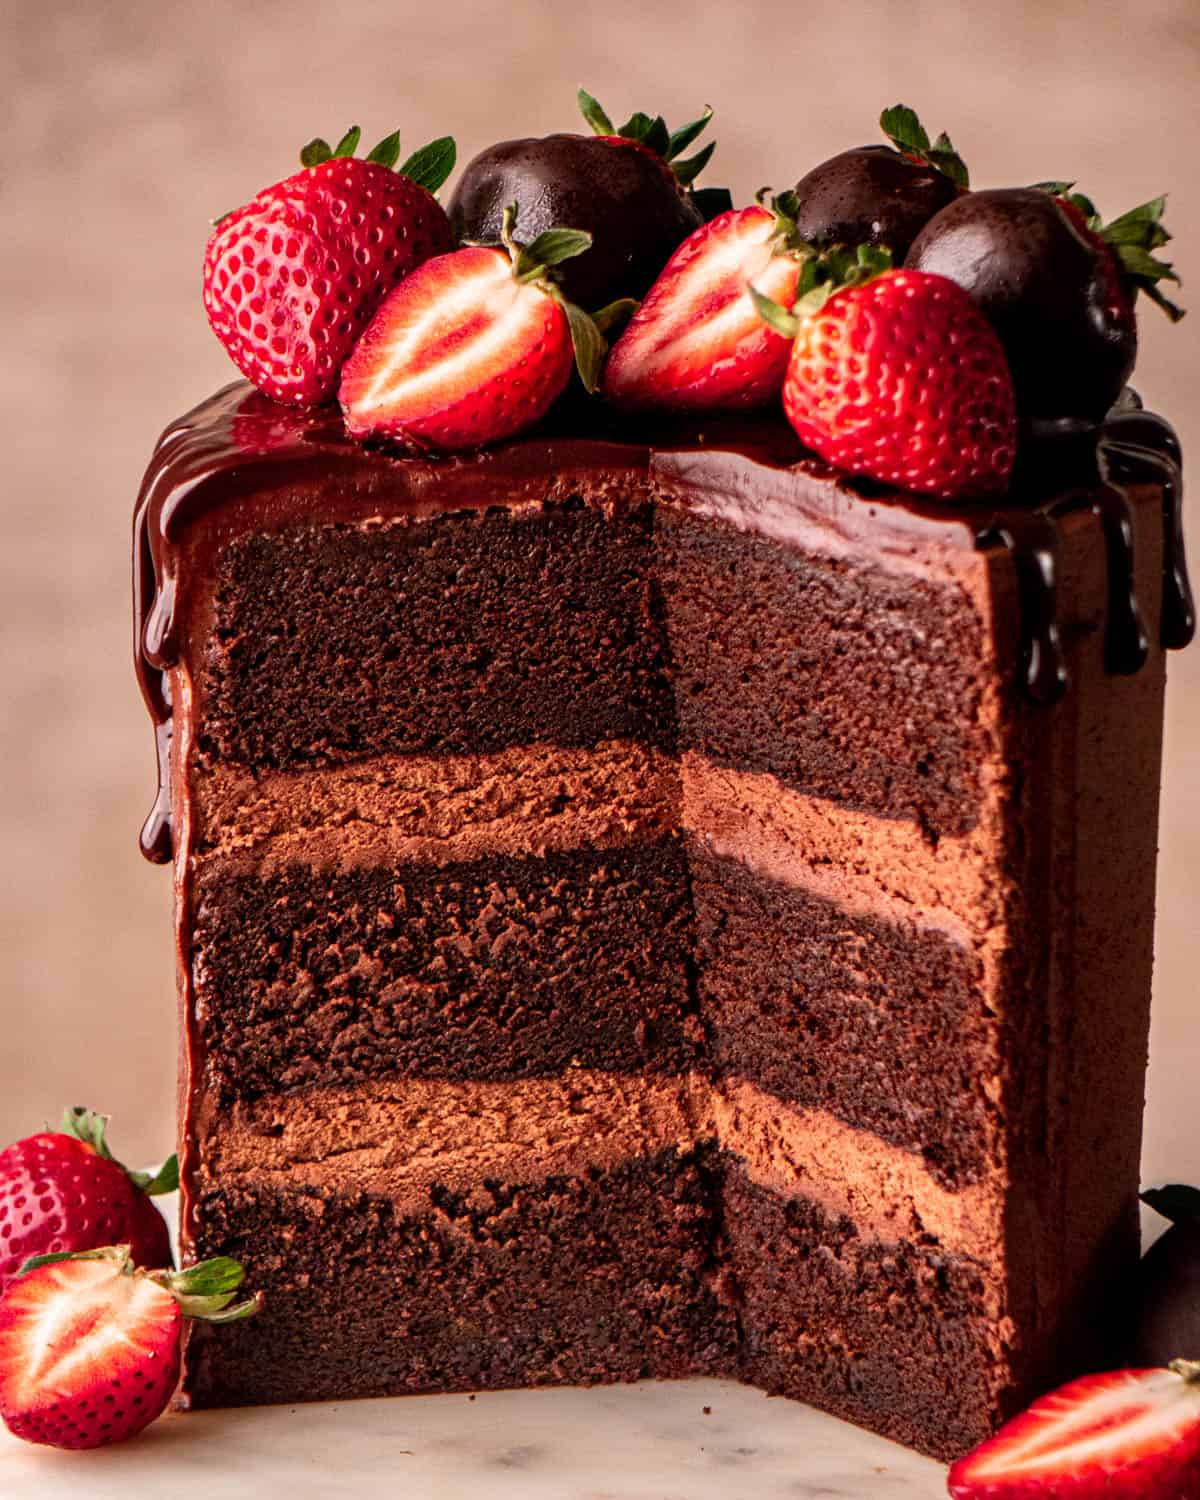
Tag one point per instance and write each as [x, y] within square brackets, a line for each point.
[696, 342]
[291, 279]
[1129, 1435]
[459, 355]
[87, 1356]
[57, 1193]
[903, 379]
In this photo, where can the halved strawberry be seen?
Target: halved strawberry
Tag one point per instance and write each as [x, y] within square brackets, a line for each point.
[1129, 1435]
[897, 375]
[472, 347]
[63, 1190]
[291, 279]
[90, 1346]
[697, 342]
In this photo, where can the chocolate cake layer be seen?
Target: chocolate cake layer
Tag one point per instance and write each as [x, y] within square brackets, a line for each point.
[838, 676]
[878, 1022]
[601, 1276]
[492, 968]
[902, 1338]
[457, 633]
[608, 1225]
[413, 1137]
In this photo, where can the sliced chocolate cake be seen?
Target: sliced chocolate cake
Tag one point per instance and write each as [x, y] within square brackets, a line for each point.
[664, 877]
[634, 918]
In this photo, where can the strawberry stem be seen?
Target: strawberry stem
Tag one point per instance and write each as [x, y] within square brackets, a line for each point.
[1133, 237]
[533, 265]
[90, 1127]
[903, 128]
[823, 272]
[429, 167]
[651, 131]
[205, 1291]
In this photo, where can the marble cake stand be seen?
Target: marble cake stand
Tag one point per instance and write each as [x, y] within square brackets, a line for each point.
[687, 1440]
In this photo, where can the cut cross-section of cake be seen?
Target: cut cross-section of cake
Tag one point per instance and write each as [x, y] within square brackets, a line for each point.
[654, 910]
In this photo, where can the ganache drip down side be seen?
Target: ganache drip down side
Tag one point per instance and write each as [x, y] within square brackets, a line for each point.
[239, 442]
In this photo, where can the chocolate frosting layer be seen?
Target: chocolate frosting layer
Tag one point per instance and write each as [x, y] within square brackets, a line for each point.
[294, 466]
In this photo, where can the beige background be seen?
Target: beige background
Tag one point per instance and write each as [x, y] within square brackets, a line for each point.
[126, 127]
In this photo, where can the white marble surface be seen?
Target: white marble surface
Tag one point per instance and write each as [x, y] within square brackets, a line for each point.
[653, 1441]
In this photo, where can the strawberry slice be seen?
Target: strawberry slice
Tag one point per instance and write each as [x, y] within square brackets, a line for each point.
[697, 342]
[90, 1347]
[474, 346]
[1129, 1435]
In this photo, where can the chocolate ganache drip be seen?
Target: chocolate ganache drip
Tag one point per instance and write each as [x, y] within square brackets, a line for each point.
[240, 444]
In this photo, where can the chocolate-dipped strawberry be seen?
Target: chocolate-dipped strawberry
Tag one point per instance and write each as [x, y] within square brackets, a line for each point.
[1168, 1312]
[1057, 285]
[881, 195]
[628, 188]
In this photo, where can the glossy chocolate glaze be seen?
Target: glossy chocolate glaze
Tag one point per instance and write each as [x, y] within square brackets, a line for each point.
[295, 465]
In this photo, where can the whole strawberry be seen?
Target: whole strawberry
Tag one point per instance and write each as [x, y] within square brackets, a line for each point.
[475, 346]
[898, 376]
[1058, 285]
[62, 1190]
[629, 187]
[90, 1345]
[697, 343]
[292, 279]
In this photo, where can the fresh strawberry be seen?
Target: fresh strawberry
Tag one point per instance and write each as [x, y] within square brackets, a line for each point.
[292, 279]
[697, 342]
[63, 1190]
[898, 376]
[1130, 1435]
[90, 1346]
[473, 347]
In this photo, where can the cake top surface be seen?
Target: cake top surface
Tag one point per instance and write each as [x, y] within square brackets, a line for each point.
[881, 358]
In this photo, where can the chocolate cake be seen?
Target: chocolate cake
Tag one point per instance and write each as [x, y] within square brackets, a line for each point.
[650, 905]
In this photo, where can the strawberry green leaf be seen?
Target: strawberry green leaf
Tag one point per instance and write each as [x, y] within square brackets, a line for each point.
[1084, 205]
[615, 314]
[903, 128]
[117, 1253]
[1175, 1201]
[553, 246]
[348, 144]
[773, 315]
[687, 171]
[316, 152]
[588, 342]
[650, 131]
[209, 1278]
[592, 112]
[1055, 189]
[236, 1313]
[679, 140]
[206, 1291]
[432, 164]
[1134, 237]
[165, 1180]
[89, 1127]
[387, 153]
[1159, 298]
[712, 201]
